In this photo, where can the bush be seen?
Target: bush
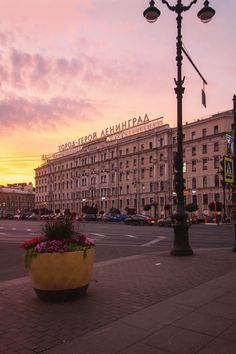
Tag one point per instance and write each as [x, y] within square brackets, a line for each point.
[215, 206]
[59, 229]
[191, 207]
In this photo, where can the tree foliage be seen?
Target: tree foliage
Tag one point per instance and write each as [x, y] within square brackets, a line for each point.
[215, 206]
[191, 207]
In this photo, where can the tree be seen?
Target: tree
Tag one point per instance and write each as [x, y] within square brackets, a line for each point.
[147, 207]
[115, 211]
[215, 206]
[89, 209]
[191, 207]
[130, 211]
[167, 206]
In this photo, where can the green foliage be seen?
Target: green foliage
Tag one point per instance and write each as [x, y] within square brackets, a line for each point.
[167, 206]
[89, 209]
[191, 207]
[215, 206]
[29, 254]
[130, 211]
[59, 229]
[115, 211]
[147, 207]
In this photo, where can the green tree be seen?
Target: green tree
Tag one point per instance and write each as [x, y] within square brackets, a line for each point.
[191, 207]
[215, 206]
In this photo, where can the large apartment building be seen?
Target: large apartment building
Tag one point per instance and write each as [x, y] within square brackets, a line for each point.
[131, 165]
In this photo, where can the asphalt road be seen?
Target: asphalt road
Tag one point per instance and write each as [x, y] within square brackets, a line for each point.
[113, 240]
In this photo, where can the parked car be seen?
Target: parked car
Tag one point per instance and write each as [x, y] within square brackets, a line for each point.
[139, 220]
[168, 221]
[90, 217]
[114, 217]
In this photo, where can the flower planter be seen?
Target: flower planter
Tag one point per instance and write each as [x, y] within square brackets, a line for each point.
[61, 276]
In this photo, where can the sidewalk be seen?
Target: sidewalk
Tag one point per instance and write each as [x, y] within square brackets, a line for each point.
[145, 304]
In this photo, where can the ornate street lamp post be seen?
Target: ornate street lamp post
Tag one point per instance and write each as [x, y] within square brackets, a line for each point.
[181, 242]
[234, 157]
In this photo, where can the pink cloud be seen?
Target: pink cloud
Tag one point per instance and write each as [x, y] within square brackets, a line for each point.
[17, 113]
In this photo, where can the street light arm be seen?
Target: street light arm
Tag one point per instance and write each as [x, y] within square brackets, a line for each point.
[172, 8]
[186, 8]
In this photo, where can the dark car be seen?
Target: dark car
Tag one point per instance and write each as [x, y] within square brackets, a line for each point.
[114, 217]
[90, 217]
[137, 220]
[168, 221]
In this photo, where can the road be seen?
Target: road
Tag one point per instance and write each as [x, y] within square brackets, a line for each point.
[113, 240]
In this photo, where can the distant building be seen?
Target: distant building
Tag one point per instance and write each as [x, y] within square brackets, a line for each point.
[15, 200]
[21, 186]
[134, 167]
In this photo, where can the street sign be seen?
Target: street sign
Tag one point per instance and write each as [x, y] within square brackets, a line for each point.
[228, 169]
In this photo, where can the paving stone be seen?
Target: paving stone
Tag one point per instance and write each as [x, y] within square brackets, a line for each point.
[157, 316]
[142, 348]
[178, 340]
[229, 333]
[219, 309]
[203, 323]
[219, 346]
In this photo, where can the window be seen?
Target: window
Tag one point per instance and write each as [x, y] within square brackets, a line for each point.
[142, 146]
[127, 175]
[135, 162]
[217, 197]
[194, 166]
[127, 151]
[216, 146]
[216, 129]
[216, 162]
[142, 160]
[150, 145]
[127, 163]
[120, 152]
[150, 159]
[142, 173]
[204, 132]
[161, 186]
[194, 199]
[205, 199]
[204, 149]
[150, 172]
[194, 183]
[183, 153]
[161, 142]
[193, 150]
[217, 181]
[151, 187]
[134, 149]
[174, 140]
[204, 164]
[204, 181]
[127, 189]
[193, 135]
[161, 157]
[162, 170]
[121, 165]
[120, 176]
[112, 178]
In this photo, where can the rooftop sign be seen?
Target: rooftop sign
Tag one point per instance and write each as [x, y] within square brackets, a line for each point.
[115, 129]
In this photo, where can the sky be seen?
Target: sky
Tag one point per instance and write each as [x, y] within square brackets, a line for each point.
[70, 68]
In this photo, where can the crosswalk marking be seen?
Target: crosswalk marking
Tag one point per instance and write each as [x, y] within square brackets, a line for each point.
[153, 241]
[131, 236]
[95, 234]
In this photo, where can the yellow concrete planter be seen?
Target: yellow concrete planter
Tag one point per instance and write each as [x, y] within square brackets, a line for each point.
[60, 276]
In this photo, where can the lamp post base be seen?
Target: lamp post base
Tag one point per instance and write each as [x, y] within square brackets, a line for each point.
[181, 242]
[234, 248]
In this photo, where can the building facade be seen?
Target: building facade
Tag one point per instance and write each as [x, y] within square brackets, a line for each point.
[135, 168]
[16, 200]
